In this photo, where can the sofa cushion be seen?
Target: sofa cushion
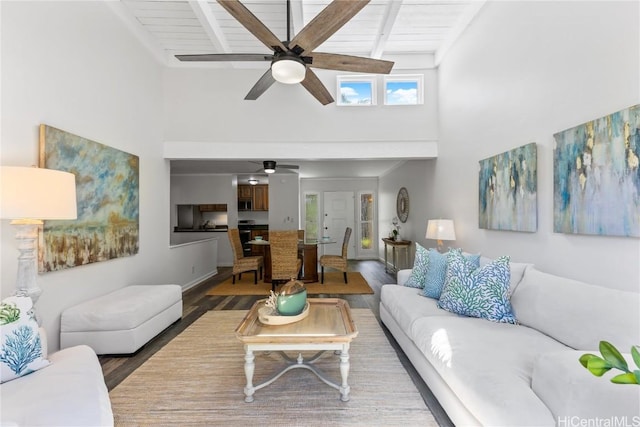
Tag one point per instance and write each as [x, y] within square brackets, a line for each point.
[488, 366]
[123, 309]
[516, 271]
[70, 392]
[20, 345]
[481, 292]
[418, 276]
[406, 305]
[570, 391]
[575, 313]
[437, 271]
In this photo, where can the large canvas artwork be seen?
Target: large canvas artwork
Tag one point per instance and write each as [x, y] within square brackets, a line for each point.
[107, 191]
[508, 190]
[596, 176]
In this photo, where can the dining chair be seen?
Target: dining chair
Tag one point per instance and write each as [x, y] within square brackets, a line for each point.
[285, 263]
[243, 263]
[339, 262]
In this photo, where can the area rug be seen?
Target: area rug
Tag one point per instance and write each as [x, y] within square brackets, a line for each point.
[333, 284]
[198, 379]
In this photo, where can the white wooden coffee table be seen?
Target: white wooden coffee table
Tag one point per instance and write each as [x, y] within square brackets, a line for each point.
[328, 327]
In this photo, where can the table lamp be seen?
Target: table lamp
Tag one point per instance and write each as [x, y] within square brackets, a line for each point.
[440, 229]
[28, 196]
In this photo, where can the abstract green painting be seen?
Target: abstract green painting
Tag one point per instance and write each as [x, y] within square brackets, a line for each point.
[596, 176]
[107, 192]
[508, 190]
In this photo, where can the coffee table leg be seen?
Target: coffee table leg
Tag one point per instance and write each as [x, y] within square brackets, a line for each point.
[344, 373]
[249, 367]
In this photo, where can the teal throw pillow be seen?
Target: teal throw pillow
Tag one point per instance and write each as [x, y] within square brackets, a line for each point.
[437, 271]
[20, 346]
[418, 276]
[478, 292]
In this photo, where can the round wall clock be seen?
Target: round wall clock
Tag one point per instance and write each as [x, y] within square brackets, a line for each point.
[402, 205]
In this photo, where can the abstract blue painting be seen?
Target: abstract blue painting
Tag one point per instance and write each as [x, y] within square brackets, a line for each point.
[596, 179]
[107, 192]
[508, 190]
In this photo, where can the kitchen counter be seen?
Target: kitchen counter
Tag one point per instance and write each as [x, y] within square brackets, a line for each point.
[254, 227]
[221, 229]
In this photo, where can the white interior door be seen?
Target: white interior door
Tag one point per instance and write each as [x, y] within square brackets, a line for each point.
[339, 213]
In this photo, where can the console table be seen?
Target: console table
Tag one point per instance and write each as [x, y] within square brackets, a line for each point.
[396, 245]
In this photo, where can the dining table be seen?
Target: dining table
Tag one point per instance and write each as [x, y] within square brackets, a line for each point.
[307, 251]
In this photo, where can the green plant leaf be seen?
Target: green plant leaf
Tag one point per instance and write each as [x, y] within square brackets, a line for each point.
[636, 355]
[626, 378]
[613, 356]
[598, 366]
[637, 375]
[584, 359]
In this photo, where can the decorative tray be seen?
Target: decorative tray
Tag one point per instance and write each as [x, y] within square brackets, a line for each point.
[269, 316]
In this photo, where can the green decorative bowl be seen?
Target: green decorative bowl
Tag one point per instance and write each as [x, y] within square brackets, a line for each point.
[292, 299]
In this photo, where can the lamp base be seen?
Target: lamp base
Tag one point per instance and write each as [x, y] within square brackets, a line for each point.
[440, 246]
[26, 235]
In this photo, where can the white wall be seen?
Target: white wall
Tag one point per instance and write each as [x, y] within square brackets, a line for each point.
[414, 176]
[73, 65]
[207, 105]
[522, 72]
[284, 193]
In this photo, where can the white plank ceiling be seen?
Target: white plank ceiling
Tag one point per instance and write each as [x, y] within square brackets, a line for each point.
[409, 32]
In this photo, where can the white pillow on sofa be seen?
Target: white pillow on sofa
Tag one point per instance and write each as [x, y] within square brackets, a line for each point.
[20, 342]
[572, 393]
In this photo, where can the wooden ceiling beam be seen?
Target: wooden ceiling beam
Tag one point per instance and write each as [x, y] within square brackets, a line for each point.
[210, 25]
[386, 25]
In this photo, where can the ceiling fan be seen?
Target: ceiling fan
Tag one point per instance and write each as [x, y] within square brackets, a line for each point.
[270, 166]
[292, 58]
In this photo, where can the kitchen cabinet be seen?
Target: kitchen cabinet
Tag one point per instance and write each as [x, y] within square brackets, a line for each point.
[261, 198]
[244, 192]
[253, 197]
[218, 207]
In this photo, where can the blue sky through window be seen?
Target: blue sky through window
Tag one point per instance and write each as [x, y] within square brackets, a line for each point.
[401, 92]
[355, 93]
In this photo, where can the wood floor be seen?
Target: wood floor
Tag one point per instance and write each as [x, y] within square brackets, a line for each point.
[196, 303]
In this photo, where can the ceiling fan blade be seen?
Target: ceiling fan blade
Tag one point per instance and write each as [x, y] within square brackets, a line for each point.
[287, 166]
[226, 57]
[251, 23]
[315, 87]
[261, 86]
[358, 64]
[327, 22]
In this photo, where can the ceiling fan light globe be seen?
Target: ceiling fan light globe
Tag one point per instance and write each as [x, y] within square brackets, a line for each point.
[269, 166]
[288, 71]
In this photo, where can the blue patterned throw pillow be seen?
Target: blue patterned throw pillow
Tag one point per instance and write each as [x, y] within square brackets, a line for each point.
[437, 271]
[418, 275]
[20, 346]
[477, 292]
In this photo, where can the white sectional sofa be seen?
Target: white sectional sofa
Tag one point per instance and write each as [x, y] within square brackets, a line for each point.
[69, 392]
[500, 374]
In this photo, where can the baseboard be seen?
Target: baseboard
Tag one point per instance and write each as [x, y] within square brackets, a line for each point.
[199, 280]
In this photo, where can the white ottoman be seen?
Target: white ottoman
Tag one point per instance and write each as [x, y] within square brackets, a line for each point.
[122, 321]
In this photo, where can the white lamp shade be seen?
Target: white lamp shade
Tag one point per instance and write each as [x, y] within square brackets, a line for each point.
[37, 193]
[288, 71]
[440, 229]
